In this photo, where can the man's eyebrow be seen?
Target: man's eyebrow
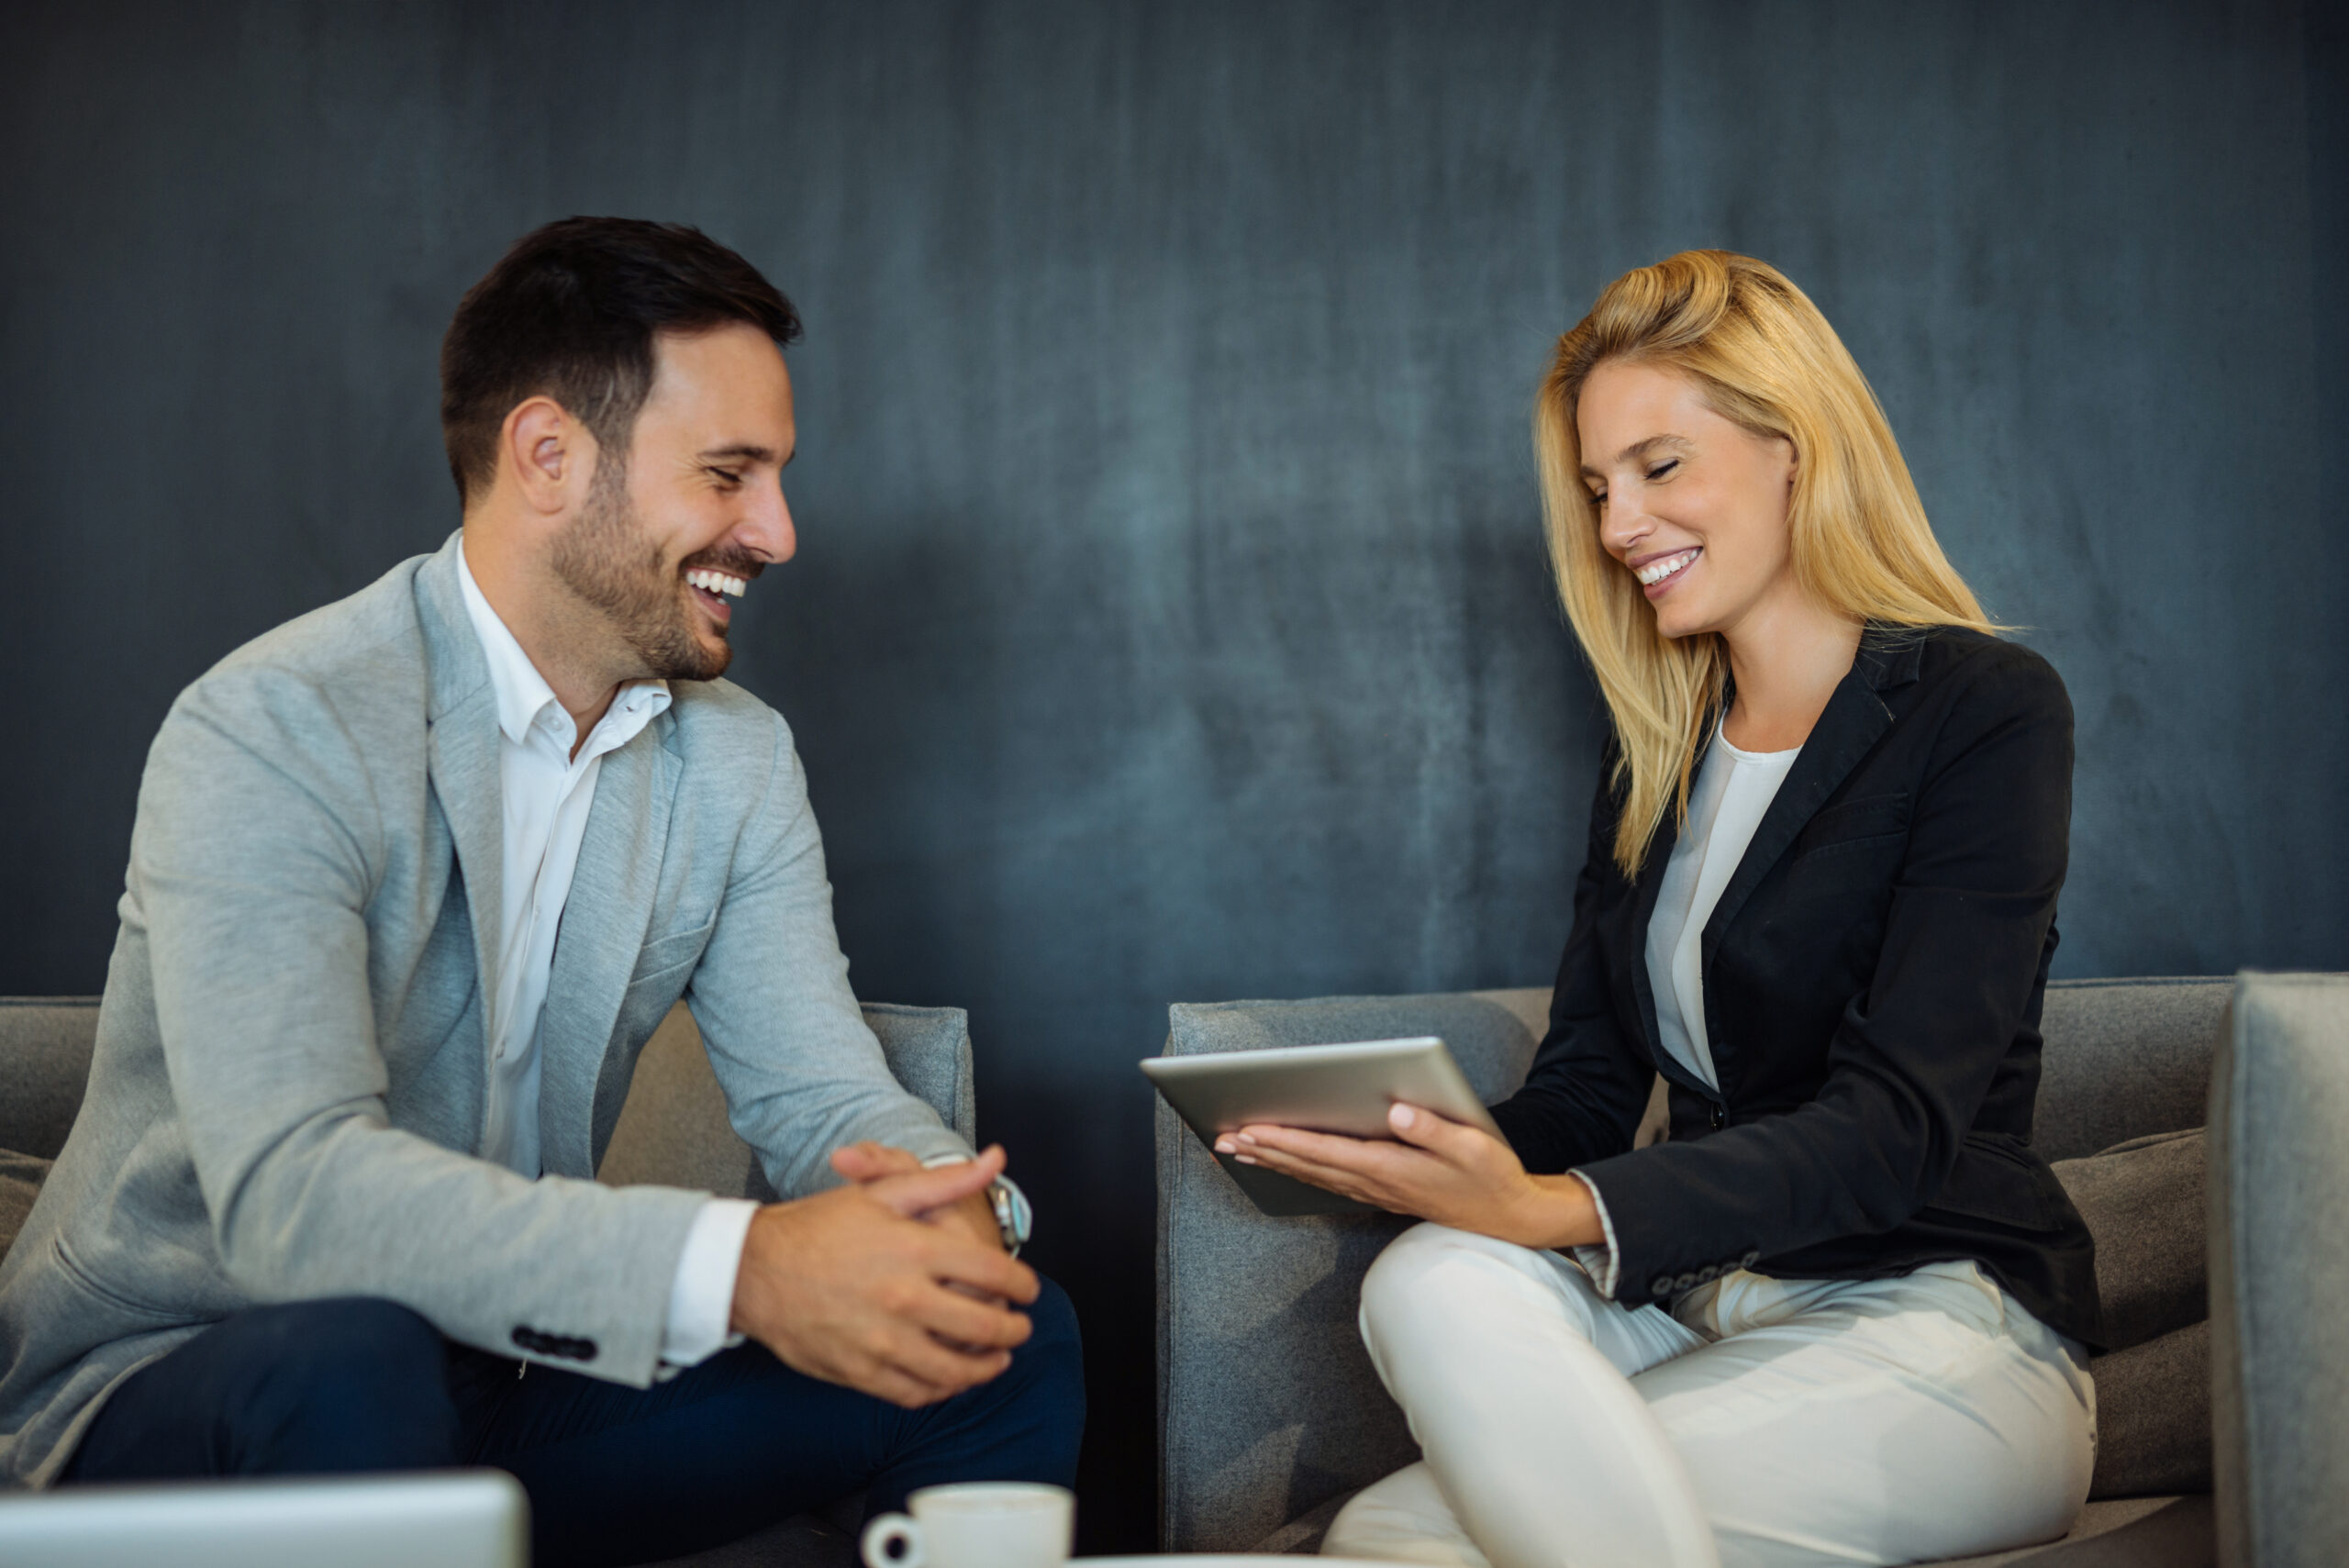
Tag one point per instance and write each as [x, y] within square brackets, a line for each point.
[1640, 450]
[749, 451]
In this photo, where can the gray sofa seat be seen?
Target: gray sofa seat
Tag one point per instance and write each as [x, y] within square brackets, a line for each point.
[1271, 1416]
[672, 1131]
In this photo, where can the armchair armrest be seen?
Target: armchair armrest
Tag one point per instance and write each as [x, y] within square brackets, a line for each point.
[2280, 1270]
[1267, 1404]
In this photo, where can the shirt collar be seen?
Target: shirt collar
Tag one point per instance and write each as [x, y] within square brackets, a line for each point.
[523, 695]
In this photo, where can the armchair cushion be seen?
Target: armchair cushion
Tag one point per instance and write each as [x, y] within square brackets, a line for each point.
[2143, 1203]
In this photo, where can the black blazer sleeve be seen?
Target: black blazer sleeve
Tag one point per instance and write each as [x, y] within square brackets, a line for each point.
[1956, 978]
[1589, 1085]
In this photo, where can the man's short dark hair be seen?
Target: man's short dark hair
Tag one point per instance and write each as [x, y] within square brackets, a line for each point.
[571, 312]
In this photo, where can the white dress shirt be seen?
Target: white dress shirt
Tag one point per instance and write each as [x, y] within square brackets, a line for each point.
[548, 793]
[1732, 791]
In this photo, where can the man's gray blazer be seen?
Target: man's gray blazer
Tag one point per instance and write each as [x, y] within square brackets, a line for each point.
[291, 1063]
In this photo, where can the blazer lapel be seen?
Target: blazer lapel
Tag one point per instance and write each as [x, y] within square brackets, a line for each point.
[603, 923]
[1855, 720]
[461, 755]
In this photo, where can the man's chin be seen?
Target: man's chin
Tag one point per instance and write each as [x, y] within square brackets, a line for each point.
[681, 654]
[708, 662]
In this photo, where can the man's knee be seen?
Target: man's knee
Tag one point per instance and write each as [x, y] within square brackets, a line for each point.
[1052, 1359]
[1043, 1391]
[1055, 1316]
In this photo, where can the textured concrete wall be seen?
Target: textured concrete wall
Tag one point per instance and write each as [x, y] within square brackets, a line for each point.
[1170, 621]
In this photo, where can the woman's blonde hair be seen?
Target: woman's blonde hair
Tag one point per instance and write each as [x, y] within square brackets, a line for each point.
[1766, 359]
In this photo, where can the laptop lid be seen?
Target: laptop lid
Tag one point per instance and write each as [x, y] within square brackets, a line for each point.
[452, 1518]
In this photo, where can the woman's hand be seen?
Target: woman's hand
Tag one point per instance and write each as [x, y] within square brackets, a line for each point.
[1442, 1170]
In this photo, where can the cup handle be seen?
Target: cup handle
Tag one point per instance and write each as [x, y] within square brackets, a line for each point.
[892, 1540]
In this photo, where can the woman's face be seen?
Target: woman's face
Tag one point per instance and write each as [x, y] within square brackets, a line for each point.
[1693, 506]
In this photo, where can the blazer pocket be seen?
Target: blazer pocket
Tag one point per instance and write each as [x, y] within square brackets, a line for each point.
[664, 956]
[88, 1284]
[1865, 819]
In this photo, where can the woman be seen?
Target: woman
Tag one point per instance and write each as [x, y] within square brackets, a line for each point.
[1840, 1314]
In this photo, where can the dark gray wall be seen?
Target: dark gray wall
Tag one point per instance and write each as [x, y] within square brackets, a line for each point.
[1170, 621]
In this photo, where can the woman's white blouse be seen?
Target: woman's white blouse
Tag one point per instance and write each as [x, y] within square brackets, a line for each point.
[1733, 788]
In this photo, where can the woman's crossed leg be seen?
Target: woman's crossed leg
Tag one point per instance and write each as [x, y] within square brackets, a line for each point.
[1771, 1422]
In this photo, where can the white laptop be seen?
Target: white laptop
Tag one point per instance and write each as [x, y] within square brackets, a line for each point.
[450, 1518]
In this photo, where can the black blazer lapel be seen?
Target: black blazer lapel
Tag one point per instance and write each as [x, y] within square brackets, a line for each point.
[1854, 720]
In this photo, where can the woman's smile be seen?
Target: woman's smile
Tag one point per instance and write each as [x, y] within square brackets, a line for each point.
[1659, 575]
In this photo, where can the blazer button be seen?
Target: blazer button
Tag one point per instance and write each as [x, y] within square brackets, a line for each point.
[1709, 1274]
[1685, 1281]
[1660, 1285]
[1753, 1256]
[1719, 1117]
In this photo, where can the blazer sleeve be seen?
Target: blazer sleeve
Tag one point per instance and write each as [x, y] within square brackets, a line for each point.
[1914, 1053]
[1589, 1085]
[802, 1073]
[253, 863]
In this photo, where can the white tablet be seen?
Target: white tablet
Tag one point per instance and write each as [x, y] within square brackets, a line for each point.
[1323, 1088]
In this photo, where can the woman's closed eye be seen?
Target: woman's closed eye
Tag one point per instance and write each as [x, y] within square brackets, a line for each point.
[1662, 469]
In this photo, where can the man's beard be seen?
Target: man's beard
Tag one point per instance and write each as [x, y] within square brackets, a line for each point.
[604, 558]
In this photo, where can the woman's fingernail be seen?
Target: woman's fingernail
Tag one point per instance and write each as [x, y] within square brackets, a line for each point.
[1223, 1146]
[1400, 1115]
[1244, 1159]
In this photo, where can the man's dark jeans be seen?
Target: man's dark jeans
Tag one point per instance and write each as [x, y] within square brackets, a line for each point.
[615, 1474]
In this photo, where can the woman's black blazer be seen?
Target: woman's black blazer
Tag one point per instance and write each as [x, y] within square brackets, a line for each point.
[1872, 979]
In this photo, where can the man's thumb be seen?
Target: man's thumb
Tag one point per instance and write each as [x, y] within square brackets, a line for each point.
[918, 1191]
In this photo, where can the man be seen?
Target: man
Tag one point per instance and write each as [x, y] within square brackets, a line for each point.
[414, 878]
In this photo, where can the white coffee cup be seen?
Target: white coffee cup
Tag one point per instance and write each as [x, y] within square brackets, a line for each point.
[975, 1524]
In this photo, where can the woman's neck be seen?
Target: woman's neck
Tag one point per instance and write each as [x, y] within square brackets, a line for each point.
[1787, 660]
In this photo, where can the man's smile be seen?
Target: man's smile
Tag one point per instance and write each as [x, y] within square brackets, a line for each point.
[712, 588]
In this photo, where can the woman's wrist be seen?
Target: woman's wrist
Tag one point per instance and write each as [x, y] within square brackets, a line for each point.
[1558, 1212]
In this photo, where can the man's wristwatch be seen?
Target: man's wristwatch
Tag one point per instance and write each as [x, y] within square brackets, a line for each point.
[1012, 1215]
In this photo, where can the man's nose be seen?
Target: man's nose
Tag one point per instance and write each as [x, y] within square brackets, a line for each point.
[767, 528]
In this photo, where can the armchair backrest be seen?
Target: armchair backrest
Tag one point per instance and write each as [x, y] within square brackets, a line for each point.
[44, 1061]
[672, 1129]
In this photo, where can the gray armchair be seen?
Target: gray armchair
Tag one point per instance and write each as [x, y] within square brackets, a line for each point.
[1271, 1416]
[671, 1131]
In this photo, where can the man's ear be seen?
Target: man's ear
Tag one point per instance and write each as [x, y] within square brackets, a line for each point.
[551, 455]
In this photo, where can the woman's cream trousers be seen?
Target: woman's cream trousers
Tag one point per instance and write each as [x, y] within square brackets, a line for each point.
[1761, 1422]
